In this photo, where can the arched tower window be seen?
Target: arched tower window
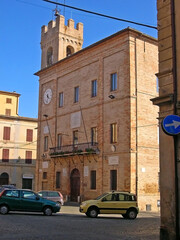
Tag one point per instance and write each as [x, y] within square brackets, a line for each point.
[69, 51]
[49, 56]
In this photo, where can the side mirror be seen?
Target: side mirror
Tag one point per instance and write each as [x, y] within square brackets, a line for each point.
[37, 197]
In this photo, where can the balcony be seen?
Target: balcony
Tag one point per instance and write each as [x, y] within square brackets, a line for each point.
[72, 150]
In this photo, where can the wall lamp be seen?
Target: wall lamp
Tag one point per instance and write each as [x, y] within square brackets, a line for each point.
[111, 96]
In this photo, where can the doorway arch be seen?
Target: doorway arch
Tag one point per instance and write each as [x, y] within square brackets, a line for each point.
[4, 179]
[75, 184]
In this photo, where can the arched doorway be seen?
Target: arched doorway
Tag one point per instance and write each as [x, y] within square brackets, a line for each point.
[4, 179]
[75, 185]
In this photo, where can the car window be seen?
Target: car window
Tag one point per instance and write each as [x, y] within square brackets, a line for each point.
[124, 197]
[43, 194]
[53, 194]
[110, 197]
[11, 193]
[99, 197]
[28, 195]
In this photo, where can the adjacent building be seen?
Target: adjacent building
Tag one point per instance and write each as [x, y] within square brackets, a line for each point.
[18, 140]
[169, 104]
[97, 128]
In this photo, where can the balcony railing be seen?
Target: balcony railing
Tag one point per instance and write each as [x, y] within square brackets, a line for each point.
[76, 149]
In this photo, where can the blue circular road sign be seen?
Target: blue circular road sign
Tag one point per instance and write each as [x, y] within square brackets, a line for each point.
[171, 125]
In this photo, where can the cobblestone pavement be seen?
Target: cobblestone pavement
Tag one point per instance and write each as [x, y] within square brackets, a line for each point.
[69, 224]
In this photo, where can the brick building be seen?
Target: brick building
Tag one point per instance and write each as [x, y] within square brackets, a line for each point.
[97, 129]
[169, 104]
[18, 140]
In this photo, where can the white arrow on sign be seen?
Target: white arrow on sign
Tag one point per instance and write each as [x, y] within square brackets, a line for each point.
[175, 124]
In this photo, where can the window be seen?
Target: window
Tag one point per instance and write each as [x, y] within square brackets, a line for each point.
[29, 195]
[93, 179]
[44, 175]
[76, 94]
[29, 135]
[11, 193]
[6, 135]
[69, 51]
[94, 88]
[61, 99]
[58, 178]
[93, 135]
[113, 81]
[49, 56]
[113, 179]
[113, 132]
[8, 112]
[28, 159]
[59, 141]
[5, 155]
[157, 84]
[75, 137]
[45, 143]
[110, 197]
[8, 100]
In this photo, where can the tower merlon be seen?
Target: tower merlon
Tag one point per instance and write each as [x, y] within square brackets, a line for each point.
[71, 23]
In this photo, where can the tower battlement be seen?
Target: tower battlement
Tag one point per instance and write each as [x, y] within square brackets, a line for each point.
[59, 26]
[59, 40]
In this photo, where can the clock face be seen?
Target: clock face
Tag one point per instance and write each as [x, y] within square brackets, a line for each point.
[47, 96]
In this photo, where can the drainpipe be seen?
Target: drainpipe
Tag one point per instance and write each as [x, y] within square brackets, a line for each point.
[175, 112]
[136, 116]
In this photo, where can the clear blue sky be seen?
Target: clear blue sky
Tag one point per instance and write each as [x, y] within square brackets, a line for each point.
[20, 30]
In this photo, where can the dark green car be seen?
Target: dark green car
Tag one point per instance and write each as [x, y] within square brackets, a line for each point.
[27, 201]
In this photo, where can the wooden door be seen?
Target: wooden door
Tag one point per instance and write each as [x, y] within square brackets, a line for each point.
[75, 185]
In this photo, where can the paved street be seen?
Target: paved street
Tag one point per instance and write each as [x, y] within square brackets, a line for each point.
[69, 224]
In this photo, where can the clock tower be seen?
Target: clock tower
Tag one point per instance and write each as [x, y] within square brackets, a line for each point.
[59, 41]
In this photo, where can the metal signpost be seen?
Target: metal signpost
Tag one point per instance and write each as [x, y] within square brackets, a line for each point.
[171, 126]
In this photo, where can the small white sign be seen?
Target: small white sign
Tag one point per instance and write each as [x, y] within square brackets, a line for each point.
[46, 130]
[86, 171]
[76, 120]
[64, 172]
[45, 165]
[113, 160]
[28, 176]
[143, 169]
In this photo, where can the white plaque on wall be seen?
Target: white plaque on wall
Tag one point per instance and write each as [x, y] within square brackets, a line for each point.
[46, 130]
[76, 120]
[86, 171]
[113, 160]
[64, 172]
[45, 165]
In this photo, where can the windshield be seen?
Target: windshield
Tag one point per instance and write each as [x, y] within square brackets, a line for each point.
[99, 197]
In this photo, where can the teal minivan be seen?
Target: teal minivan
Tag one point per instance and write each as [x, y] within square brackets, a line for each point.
[26, 201]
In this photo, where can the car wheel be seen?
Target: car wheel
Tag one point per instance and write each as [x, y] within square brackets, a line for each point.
[92, 212]
[87, 214]
[4, 209]
[125, 216]
[131, 214]
[47, 211]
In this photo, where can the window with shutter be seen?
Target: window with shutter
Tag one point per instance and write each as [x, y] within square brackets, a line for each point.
[8, 100]
[58, 179]
[113, 179]
[29, 135]
[93, 179]
[8, 112]
[6, 135]
[28, 157]
[5, 155]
